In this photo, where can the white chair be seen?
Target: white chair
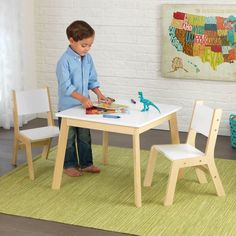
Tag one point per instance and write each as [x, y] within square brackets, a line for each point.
[26, 103]
[205, 120]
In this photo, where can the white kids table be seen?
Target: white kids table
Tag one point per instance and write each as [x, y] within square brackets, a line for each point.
[133, 123]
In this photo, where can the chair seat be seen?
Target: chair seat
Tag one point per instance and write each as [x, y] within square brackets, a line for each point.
[179, 151]
[41, 133]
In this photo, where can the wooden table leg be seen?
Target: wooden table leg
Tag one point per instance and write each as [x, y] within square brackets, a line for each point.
[174, 129]
[105, 147]
[137, 170]
[175, 137]
[61, 149]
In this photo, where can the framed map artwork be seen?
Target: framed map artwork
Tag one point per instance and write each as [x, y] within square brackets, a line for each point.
[199, 42]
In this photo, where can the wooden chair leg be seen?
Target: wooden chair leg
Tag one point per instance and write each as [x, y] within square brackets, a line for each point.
[30, 160]
[150, 167]
[200, 175]
[170, 191]
[216, 179]
[15, 151]
[181, 173]
[46, 149]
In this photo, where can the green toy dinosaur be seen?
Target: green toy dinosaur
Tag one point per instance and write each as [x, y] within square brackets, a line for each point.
[146, 102]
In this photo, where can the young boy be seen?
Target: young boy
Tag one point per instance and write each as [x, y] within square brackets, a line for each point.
[77, 75]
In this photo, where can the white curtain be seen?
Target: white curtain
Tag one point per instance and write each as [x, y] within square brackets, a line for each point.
[12, 35]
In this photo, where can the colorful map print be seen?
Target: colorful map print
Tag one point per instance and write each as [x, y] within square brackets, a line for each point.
[211, 38]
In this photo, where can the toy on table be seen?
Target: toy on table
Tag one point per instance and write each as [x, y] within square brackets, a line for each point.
[146, 103]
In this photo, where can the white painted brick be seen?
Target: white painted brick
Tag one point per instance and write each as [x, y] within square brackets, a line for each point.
[43, 3]
[63, 3]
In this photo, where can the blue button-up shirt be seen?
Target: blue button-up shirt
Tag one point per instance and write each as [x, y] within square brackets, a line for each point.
[74, 73]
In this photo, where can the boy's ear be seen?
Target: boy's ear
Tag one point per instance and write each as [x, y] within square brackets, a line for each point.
[71, 40]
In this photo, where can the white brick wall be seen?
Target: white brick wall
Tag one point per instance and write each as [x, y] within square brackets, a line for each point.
[126, 53]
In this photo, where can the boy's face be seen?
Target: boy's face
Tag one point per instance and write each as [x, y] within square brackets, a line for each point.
[82, 46]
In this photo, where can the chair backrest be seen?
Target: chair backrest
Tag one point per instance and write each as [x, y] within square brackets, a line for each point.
[202, 118]
[31, 102]
[206, 121]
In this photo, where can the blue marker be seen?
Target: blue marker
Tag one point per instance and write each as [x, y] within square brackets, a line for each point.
[110, 116]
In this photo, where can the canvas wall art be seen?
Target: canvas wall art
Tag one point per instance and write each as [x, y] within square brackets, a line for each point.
[199, 42]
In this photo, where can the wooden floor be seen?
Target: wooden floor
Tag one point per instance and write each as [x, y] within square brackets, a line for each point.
[21, 226]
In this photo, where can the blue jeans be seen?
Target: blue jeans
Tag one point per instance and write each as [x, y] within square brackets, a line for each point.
[82, 137]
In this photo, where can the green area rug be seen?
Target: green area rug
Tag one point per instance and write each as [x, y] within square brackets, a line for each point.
[106, 200]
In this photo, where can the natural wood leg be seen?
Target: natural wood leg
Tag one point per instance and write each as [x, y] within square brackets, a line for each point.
[15, 151]
[105, 147]
[58, 169]
[46, 149]
[200, 175]
[174, 129]
[137, 170]
[30, 160]
[216, 179]
[181, 173]
[170, 191]
[150, 167]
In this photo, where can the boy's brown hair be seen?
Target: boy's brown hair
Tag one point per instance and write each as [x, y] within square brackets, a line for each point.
[79, 30]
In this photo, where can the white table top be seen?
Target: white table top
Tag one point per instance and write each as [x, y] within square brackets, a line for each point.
[135, 118]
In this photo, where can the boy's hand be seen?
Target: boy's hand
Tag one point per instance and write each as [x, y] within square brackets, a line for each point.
[101, 98]
[106, 100]
[87, 103]
[84, 100]
[111, 99]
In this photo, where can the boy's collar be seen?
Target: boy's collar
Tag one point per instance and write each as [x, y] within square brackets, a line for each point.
[72, 52]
